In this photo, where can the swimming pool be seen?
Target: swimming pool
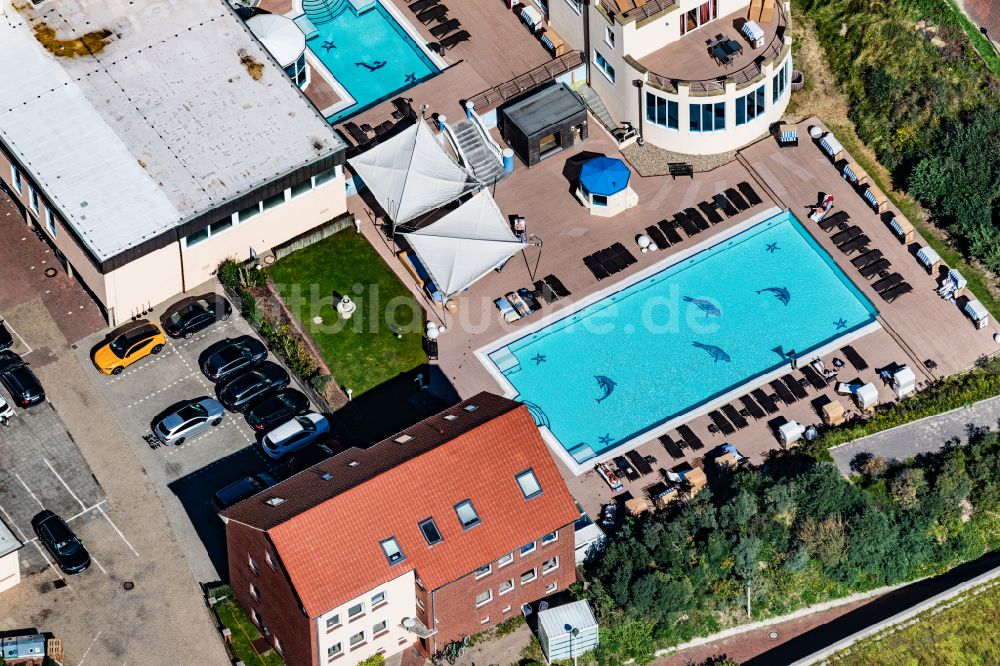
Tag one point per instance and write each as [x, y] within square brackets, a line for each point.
[367, 52]
[678, 336]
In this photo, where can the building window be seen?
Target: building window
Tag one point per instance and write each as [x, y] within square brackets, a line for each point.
[466, 514]
[333, 622]
[575, 5]
[484, 598]
[357, 640]
[551, 587]
[505, 609]
[326, 176]
[604, 66]
[335, 650]
[274, 201]
[299, 189]
[548, 566]
[660, 111]
[277, 645]
[378, 599]
[598, 199]
[430, 531]
[550, 537]
[15, 176]
[779, 82]
[699, 16]
[420, 604]
[506, 586]
[379, 629]
[392, 552]
[528, 576]
[505, 559]
[609, 36]
[50, 221]
[708, 117]
[484, 571]
[485, 620]
[33, 197]
[254, 616]
[749, 106]
[220, 226]
[254, 592]
[249, 212]
[253, 564]
[355, 611]
[270, 562]
[527, 549]
[529, 484]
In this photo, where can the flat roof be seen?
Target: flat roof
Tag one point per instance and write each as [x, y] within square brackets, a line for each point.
[134, 118]
[8, 542]
[544, 109]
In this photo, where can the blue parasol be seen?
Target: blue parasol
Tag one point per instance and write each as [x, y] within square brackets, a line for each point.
[605, 176]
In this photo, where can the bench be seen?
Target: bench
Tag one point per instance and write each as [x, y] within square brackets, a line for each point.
[680, 169]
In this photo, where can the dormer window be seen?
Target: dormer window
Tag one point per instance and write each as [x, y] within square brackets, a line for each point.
[529, 483]
[467, 514]
[392, 552]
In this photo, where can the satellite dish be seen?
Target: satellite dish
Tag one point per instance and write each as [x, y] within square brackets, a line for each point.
[409, 623]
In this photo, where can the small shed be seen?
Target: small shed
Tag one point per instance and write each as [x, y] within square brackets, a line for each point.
[10, 569]
[567, 631]
[28, 649]
[545, 123]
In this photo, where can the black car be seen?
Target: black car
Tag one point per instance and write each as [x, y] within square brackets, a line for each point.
[61, 542]
[233, 355]
[242, 489]
[276, 409]
[237, 393]
[6, 339]
[189, 316]
[307, 457]
[20, 380]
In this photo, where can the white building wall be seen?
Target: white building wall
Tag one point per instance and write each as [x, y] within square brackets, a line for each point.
[10, 572]
[400, 602]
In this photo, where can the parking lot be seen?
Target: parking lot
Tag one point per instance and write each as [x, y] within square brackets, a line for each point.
[187, 476]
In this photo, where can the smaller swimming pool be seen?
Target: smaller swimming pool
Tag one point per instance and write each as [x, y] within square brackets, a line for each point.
[367, 52]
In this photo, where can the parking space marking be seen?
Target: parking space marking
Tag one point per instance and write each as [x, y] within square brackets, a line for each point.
[65, 485]
[10, 521]
[187, 445]
[35, 497]
[68, 520]
[115, 527]
[161, 390]
[138, 367]
[41, 551]
[99, 566]
[92, 643]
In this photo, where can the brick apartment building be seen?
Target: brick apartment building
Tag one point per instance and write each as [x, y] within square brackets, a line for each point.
[440, 531]
[149, 141]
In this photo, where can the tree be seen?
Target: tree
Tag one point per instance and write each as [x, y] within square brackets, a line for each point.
[826, 539]
[738, 511]
[907, 487]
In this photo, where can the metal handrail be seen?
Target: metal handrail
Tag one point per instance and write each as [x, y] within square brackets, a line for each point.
[651, 8]
[484, 134]
[528, 80]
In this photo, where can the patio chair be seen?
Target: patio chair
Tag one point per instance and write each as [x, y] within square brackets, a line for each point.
[639, 462]
[595, 267]
[751, 406]
[814, 377]
[722, 203]
[750, 194]
[440, 31]
[887, 282]
[794, 386]
[786, 396]
[421, 5]
[529, 298]
[874, 268]
[688, 435]
[657, 236]
[731, 47]
[687, 224]
[854, 358]
[670, 231]
[518, 304]
[765, 401]
[721, 423]
[508, 313]
[545, 292]
[435, 13]
[842, 237]
[866, 258]
[734, 417]
[626, 469]
[710, 212]
[453, 40]
[621, 252]
[735, 197]
[831, 222]
[719, 54]
[360, 138]
[895, 292]
[856, 243]
[697, 218]
[671, 447]
[557, 286]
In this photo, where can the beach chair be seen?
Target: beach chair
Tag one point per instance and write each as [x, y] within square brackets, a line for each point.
[814, 377]
[519, 304]
[595, 267]
[749, 193]
[670, 231]
[640, 463]
[734, 417]
[856, 243]
[887, 282]
[710, 212]
[721, 423]
[692, 439]
[895, 292]
[436, 13]
[854, 358]
[508, 313]
[671, 447]
[453, 40]
[765, 401]
[784, 394]
[611, 261]
[735, 197]
[833, 221]
[842, 237]
[795, 387]
[545, 292]
[866, 258]
[621, 252]
[443, 29]
[657, 236]
[529, 298]
[690, 228]
[751, 406]
[875, 268]
[421, 5]
[626, 468]
[722, 203]
[557, 286]
[697, 218]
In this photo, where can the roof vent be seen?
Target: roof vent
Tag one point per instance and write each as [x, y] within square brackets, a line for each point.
[326, 476]
[403, 439]
[450, 417]
[470, 408]
[353, 463]
[275, 501]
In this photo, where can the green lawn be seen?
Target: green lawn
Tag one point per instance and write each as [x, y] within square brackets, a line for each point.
[364, 352]
[244, 631]
[962, 634]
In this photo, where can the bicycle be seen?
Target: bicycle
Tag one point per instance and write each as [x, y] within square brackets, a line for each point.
[451, 651]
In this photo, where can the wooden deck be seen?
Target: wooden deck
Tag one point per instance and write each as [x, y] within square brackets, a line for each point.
[918, 326]
[320, 92]
[688, 58]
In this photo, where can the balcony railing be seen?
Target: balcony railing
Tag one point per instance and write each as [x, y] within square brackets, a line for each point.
[651, 8]
[741, 76]
[542, 74]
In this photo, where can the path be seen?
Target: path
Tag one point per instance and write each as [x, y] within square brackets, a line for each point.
[924, 436]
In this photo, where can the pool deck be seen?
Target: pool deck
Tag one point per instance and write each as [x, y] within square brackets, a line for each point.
[918, 326]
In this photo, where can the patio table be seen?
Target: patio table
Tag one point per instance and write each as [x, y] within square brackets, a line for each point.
[732, 47]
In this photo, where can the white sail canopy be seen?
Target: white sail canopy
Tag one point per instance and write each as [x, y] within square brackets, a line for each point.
[465, 244]
[411, 174]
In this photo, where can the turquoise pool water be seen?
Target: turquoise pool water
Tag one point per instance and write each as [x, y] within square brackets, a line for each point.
[681, 337]
[368, 53]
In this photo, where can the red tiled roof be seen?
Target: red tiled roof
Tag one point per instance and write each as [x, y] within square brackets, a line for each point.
[332, 551]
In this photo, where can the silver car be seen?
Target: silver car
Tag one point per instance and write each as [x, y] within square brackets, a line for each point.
[188, 420]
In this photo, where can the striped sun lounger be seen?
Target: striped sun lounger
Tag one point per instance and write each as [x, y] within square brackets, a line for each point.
[789, 136]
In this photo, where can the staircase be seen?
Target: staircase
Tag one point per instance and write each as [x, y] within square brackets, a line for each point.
[320, 11]
[596, 106]
[483, 162]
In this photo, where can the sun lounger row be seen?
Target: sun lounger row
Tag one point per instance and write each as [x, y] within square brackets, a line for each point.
[523, 302]
[550, 289]
[609, 261]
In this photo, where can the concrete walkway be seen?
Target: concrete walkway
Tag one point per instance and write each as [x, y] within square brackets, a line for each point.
[924, 436]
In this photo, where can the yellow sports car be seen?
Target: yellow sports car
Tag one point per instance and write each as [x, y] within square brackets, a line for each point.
[137, 341]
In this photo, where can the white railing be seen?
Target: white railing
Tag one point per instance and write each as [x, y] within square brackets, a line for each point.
[455, 145]
[484, 134]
